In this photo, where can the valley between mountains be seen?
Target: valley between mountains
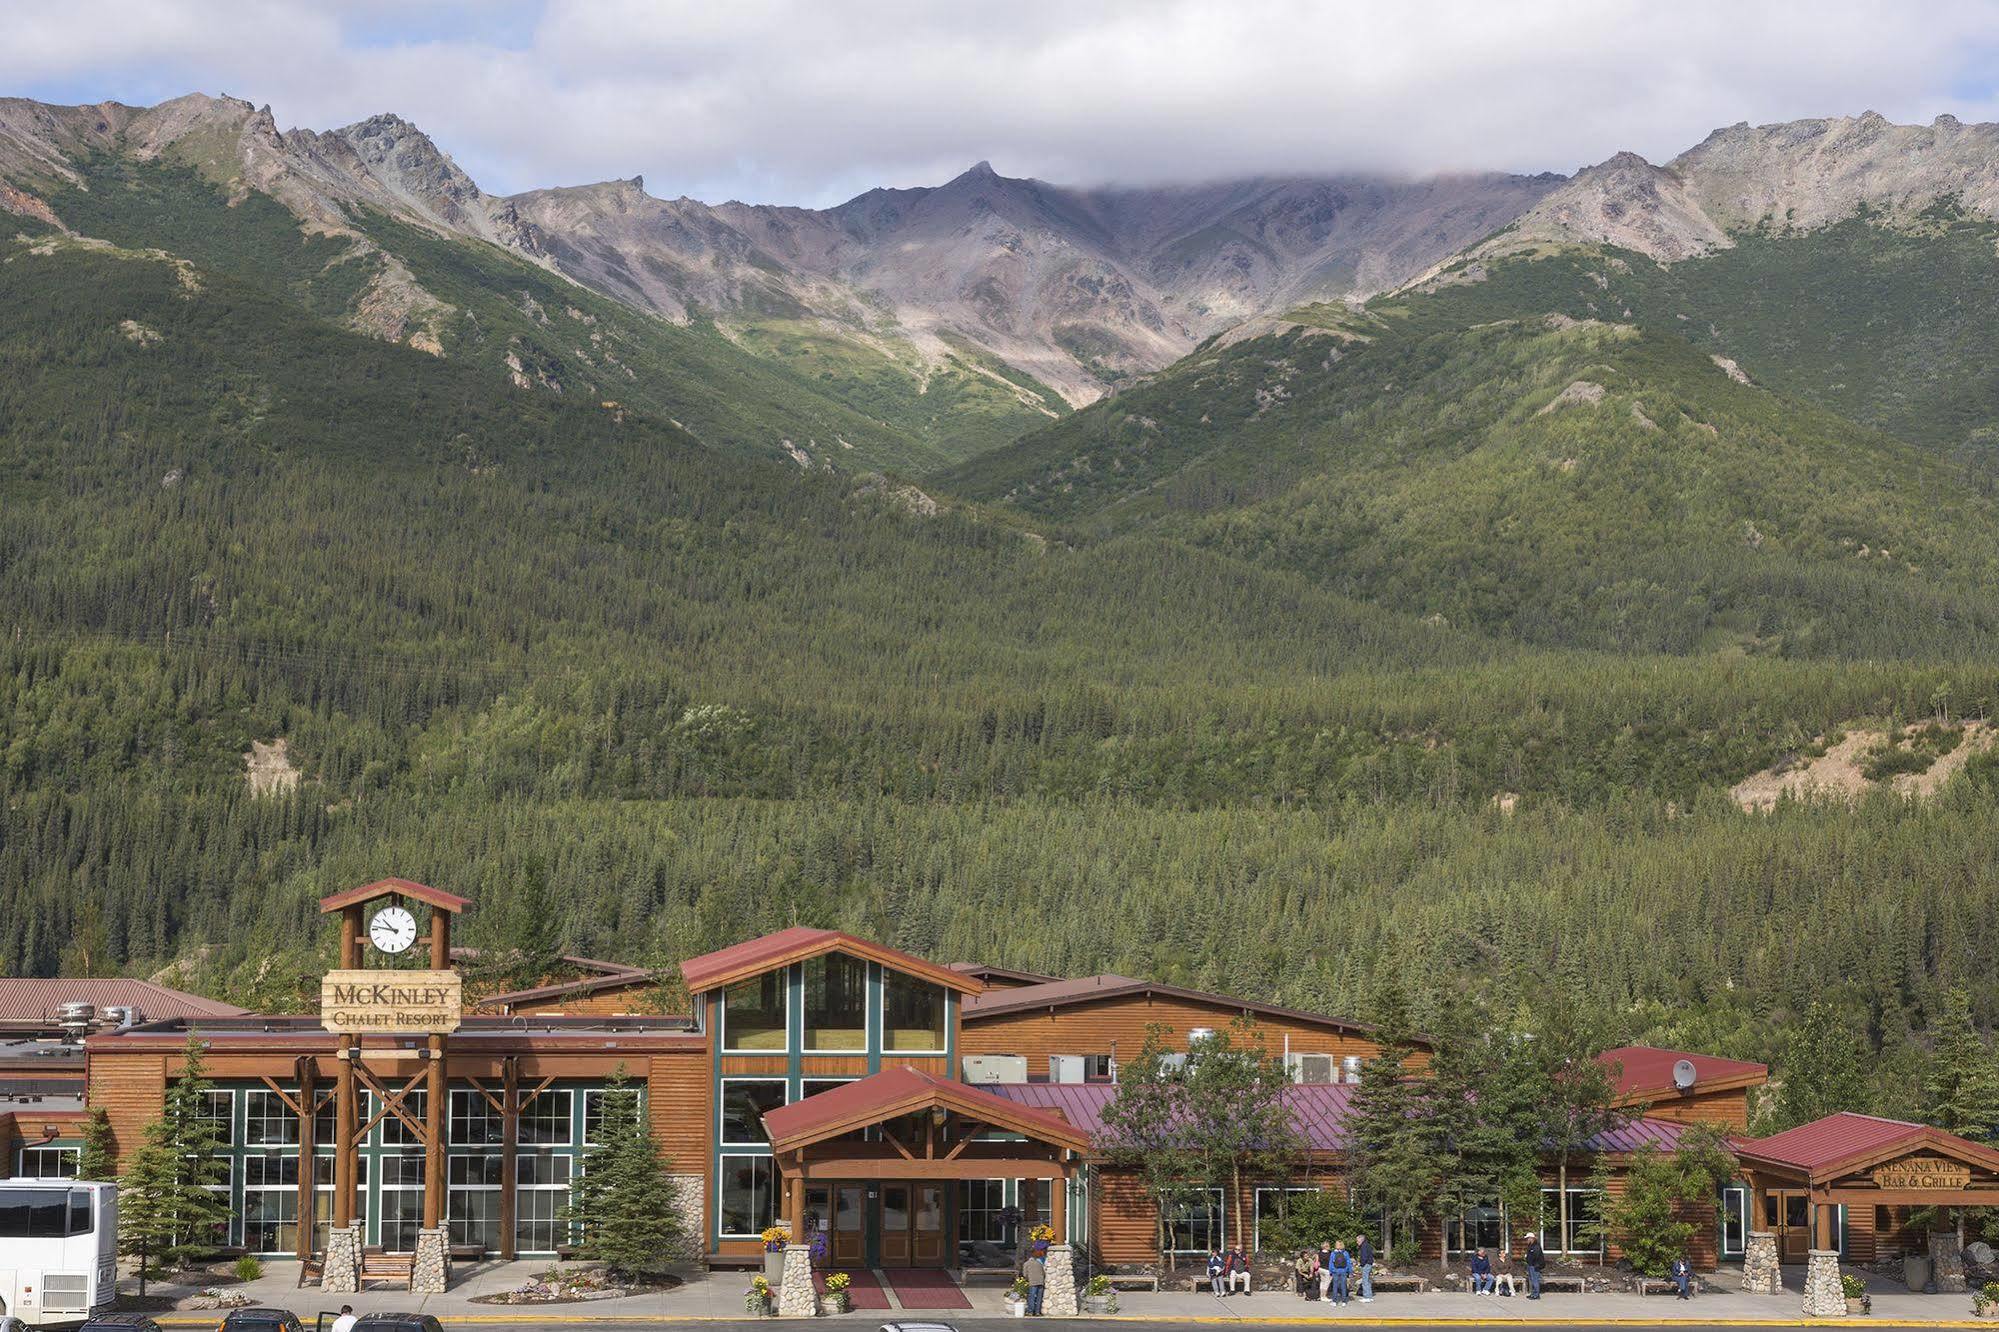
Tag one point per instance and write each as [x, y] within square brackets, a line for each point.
[1505, 570]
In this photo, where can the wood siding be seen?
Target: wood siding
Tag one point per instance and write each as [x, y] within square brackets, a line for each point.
[131, 1089]
[1116, 1026]
[1723, 1109]
[677, 1091]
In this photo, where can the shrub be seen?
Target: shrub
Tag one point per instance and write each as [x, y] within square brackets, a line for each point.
[1309, 1220]
[1852, 1287]
[248, 1268]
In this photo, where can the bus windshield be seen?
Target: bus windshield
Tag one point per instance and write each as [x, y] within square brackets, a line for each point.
[44, 1213]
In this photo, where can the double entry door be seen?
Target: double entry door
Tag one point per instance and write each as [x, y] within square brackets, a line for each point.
[908, 1221]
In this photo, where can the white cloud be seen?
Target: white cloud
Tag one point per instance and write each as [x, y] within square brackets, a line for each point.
[812, 100]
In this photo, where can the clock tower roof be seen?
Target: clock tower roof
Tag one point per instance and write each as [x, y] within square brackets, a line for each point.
[418, 892]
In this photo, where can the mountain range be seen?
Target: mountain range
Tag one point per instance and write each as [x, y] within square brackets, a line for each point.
[1360, 560]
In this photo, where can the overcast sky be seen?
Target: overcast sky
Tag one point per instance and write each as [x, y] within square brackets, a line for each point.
[811, 101]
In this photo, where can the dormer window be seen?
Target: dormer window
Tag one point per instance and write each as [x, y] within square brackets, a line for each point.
[756, 1013]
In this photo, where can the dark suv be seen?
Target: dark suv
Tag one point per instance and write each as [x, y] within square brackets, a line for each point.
[398, 1322]
[120, 1322]
[261, 1320]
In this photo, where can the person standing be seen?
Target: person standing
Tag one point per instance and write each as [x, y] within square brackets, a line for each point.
[1536, 1260]
[1036, 1272]
[345, 1322]
[1342, 1269]
[1325, 1270]
[1682, 1273]
[1363, 1251]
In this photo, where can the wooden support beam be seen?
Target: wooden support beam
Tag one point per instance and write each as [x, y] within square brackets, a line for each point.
[967, 1129]
[886, 1167]
[307, 1110]
[491, 1098]
[434, 1125]
[345, 1144]
[896, 1143]
[392, 1104]
[1058, 1205]
[510, 1133]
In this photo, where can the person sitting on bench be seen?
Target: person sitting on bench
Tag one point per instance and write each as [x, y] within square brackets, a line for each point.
[1217, 1272]
[1307, 1268]
[1481, 1273]
[1503, 1279]
[1237, 1263]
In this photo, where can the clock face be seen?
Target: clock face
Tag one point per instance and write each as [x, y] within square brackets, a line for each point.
[393, 929]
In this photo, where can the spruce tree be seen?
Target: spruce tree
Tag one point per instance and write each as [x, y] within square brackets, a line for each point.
[624, 1208]
[96, 1161]
[1959, 1092]
[1820, 1070]
[166, 1211]
[147, 1197]
[1394, 1139]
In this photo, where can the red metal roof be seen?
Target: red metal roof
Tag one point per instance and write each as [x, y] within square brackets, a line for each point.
[1836, 1138]
[368, 892]
[28, 999]
[987, 971]
[1647, 1068]
[753, 957]
[1109, 985]
[897, 1091]
[1319, 1112]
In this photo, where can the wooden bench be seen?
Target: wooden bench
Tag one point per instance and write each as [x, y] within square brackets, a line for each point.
[1666, 1286]
[1133, 1280]
[468, 1253]
[1401, 1285]
[387, 1267]
[311, 1268]
[1565, 1285]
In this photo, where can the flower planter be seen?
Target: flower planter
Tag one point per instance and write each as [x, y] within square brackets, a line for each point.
[774, 1266]
[835, 1301]
[1855, 1308]
[1016, 1308]
[1096, 1304]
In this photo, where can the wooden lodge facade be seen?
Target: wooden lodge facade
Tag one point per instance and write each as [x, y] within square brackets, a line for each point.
[905, 1112]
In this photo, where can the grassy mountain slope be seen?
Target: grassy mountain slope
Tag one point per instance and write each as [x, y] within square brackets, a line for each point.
[1599, 484]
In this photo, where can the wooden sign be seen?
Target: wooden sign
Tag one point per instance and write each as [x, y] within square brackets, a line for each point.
[406, 1002]
[1923, 1172]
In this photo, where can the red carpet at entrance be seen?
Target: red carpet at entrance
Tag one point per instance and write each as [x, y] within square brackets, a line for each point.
[863, 1291]
[924, 1288]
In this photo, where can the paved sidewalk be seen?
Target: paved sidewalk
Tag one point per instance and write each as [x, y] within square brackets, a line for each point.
[719, 1295]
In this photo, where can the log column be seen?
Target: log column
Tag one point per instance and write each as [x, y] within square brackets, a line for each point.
[510, 1139]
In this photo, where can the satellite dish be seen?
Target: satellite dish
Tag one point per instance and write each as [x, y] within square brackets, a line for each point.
[1683, 1074]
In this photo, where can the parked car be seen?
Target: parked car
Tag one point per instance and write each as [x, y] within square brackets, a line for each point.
[398, 1322]
[120, 1322]
[261, 1320]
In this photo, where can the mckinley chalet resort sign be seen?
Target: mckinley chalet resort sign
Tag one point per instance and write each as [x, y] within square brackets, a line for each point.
[353, 1003]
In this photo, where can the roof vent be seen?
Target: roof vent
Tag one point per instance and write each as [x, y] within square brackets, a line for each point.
[1683, 1074]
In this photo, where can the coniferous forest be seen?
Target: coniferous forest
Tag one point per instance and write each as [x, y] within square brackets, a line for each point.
[1407, 670]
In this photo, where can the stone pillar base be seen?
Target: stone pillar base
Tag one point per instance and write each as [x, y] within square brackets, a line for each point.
[1761, 1274]
[430, 1273]
[1824, 1296]
[1059, 1299]
[1947, 1262]
[342, 1273]
[795, 1296]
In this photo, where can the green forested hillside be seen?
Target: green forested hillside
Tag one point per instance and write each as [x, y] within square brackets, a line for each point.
[1228, 702]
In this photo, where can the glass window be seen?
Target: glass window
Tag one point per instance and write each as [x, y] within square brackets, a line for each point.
[1269, 1202]
[541, 1193]
[268, 1121]
[402, 1201]
[219, 1108]
[1734, 1219]
[749, 1196]
[1099, 1068]
[1479, 1228]
[474, 1121]
[756, 1012]
[744, 1101]
[1582, 1237]
[223, 1186]
[42, 1213]
[593, 1112]
[474, 1200]
[985, 1220]
[1196, 1227]
[836, 1003]
[48, 1162]
[912, 1014]
[270, 1203]
[813, 1086]
[395, 1133]
[545, 1119]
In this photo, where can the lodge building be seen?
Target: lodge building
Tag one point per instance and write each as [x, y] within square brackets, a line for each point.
[910, 1113]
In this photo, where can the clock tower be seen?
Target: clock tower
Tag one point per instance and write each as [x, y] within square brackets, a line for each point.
[378, 924]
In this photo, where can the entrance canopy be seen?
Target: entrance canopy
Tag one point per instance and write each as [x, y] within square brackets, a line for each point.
[1864, 1160]
[903, 1124]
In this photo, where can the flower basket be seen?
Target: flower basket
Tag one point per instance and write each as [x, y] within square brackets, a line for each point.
[757, 1299]
[835, 1301]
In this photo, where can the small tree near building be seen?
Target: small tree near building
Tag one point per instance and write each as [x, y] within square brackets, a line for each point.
[625, 1209]
[1239, 1125]
[1960, 1093]
[167, 1214]
[1145, 1133]
[1667, 1198]
[96, 1160]
[1395, 1146]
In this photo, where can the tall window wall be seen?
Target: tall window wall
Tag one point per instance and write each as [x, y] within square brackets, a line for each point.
[261, 1151]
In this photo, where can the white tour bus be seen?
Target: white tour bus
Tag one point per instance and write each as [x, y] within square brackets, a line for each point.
[58, 1249]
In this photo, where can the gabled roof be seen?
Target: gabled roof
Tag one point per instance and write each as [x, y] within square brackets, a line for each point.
[1647, 1070]
[1109, 985]
[34, 1000]
[900, 1091]
[1846, 1141]
[368, 892]
[753, 957]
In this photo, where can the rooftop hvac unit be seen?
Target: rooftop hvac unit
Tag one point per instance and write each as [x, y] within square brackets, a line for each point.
[992, 1068]
[123, 1016]
[1065, 1068]
[1350, 1069]
[75, 1019]
[1312, 1070]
